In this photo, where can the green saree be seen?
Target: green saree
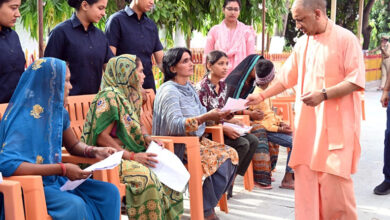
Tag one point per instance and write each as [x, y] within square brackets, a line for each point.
[120, 101]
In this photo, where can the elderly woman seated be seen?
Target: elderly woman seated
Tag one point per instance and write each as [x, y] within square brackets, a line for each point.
[114, 120]
[178, 112]
[35, 127]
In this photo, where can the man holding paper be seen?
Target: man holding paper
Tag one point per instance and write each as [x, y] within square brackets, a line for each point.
[328, 68]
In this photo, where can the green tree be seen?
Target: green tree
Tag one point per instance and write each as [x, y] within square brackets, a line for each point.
[190, 16]
[379, 21]
[56, 11]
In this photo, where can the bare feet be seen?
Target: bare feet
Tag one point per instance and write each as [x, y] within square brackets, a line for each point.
[288, 181]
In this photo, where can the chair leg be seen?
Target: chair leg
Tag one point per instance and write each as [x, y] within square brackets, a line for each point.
[249, 183]
[223, 204]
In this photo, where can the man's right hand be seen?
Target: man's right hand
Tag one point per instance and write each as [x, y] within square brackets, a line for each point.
[254, 99]
[385, 99]
[74, 172]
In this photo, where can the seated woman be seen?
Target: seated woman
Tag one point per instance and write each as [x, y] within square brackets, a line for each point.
[178, 112]
[212, 95]
[240, 83]
[114, 120]
[35, 127]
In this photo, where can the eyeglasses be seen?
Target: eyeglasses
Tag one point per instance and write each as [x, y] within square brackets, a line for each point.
[233, 9]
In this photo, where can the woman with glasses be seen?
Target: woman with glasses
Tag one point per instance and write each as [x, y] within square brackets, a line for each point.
[233, 37]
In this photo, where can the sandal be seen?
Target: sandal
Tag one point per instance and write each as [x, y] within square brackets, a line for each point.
[261, 186]
[286, 186]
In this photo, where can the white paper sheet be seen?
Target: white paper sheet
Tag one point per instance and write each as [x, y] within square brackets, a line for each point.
[1, 177]
[241, 130]
[110, 162]
[169, 169]
[235, 105]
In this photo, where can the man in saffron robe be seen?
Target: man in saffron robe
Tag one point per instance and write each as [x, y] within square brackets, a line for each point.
[327, 66]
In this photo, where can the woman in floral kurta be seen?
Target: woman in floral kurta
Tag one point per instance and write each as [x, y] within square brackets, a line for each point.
[113, 120]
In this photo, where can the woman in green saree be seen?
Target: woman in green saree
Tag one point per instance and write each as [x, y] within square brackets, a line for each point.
[114, 120]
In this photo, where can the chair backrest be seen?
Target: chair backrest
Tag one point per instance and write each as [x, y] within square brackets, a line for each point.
[78, 107]
[3, 107]
[147, 111]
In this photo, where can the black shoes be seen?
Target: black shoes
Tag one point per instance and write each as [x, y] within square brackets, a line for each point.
[383, 188]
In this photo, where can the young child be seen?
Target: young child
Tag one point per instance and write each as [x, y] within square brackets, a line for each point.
[278, 132]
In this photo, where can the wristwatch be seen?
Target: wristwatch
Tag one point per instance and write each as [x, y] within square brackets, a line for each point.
[324, 94]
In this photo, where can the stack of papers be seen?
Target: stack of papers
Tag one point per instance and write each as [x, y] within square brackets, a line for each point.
[106, 164]
[234, 105]
[241, 130]
[169, 169]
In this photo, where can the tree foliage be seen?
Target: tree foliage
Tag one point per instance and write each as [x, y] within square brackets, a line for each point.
[54, 12]
[201, 15]
[379, 21]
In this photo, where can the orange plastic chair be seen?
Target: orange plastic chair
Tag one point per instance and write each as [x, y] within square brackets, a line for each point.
[33, 195]
[78, 107]
[3, 107]
[12, 192]
[249, 182]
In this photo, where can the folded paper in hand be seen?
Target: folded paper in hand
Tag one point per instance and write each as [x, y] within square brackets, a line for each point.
[234, 105]
[241, 130]
[169, 169]
[106, 164]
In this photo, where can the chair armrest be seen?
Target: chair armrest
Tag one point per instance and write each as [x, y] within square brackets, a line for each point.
[12, 192]
[34, 197]
[195, 169]
[244, 119]
[216, 132]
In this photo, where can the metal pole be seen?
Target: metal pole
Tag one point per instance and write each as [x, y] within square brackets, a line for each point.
[360, 24]
[263, 32]
[333, 10]
[40, 28]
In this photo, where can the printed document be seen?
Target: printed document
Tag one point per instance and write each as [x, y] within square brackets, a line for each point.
[110, 162]
[169, 169]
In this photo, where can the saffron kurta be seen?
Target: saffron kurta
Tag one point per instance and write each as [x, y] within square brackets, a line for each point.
[326, 137]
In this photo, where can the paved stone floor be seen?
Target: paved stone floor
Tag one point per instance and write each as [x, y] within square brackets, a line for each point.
[277, 204]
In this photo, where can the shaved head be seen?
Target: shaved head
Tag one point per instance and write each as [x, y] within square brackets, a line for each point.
[311, 4]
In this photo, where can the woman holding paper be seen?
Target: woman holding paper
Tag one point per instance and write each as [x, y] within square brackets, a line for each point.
[114, 120]
[35, 127]
[212, 95]
[178, 112]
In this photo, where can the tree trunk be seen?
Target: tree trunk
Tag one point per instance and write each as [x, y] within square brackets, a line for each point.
[366, 29]
[285, 19]
[188, 41]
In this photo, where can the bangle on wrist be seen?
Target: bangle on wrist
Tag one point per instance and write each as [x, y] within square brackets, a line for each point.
[132, 155]
[63, 168]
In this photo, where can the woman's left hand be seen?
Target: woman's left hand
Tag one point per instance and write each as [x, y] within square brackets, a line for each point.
[103, 152]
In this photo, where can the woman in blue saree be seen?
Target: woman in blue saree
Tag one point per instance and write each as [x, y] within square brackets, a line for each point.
[34, 128]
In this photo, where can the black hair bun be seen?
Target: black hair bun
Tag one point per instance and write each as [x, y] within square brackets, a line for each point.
[74, 3]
